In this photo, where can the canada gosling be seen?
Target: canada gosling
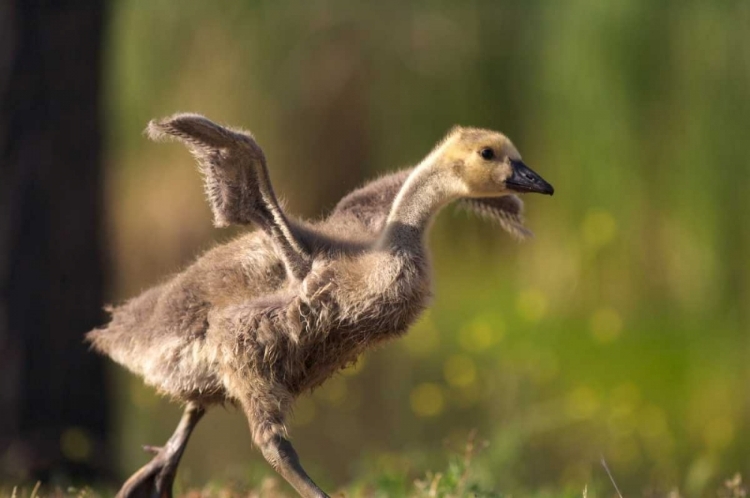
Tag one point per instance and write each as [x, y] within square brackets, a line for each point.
[275, 312]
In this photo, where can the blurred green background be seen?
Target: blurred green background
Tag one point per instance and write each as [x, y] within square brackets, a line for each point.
[622, 330]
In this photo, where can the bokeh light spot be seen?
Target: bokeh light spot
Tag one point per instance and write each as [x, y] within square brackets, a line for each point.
[582, 403]
[606, 325]
[459, 371]
[75, 444]
[532, 305]
[427, 400]
[599, 228]
[480, 334]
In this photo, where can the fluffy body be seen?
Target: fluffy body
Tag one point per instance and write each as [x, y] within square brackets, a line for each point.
[233, 327]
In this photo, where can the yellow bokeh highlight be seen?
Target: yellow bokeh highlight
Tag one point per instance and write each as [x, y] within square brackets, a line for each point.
[582, 403]
[75, 444]
[427, 400]
[599, 228]
[480, 334]
[532, 305]
[460, 371]
[606, 325]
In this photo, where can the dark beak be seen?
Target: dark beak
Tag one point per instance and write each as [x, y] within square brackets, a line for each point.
[523, 179]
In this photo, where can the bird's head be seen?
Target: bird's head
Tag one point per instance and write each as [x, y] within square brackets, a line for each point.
[488, 165]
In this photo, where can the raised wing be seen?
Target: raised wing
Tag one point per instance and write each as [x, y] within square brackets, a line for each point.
[236, 180]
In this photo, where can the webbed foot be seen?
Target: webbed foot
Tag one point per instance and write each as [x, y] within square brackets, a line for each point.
[155, 479]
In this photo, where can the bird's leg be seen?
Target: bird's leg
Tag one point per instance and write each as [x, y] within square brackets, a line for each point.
[154, 480]
[280, 453]
[267, 432]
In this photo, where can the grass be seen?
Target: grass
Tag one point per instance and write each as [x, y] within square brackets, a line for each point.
[457, 480]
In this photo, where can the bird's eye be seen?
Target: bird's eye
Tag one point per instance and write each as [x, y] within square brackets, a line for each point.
[487, 153]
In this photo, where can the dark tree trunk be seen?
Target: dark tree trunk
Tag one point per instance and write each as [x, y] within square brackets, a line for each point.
[52, 397]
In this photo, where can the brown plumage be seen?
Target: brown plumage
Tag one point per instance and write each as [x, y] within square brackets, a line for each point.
[276, 312]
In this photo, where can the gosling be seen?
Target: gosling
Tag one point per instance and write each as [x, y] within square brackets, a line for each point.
[260, 320]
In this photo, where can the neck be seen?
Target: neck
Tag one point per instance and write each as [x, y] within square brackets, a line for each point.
[424, 193]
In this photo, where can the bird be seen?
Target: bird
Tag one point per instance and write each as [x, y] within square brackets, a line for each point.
[272, 314]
